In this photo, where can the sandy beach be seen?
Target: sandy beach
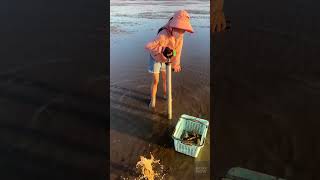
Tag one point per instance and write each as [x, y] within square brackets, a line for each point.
[54, 90]
[266, 90]
[134, 129]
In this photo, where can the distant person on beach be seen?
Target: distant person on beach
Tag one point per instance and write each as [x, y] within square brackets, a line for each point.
[167, 44]
[217, 18]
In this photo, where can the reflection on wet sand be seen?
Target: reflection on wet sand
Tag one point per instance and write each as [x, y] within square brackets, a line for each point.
[136, 130]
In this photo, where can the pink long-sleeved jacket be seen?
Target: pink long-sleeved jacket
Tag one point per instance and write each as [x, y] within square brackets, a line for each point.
[165, 39]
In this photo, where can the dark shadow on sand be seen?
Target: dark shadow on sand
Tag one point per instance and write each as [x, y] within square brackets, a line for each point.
[142, 127]
[138, 94]
[123, 168]
[144, 110]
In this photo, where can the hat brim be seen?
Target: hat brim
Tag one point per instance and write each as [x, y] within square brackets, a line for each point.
[185, 25]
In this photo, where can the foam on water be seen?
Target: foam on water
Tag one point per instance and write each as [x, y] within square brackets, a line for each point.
[148, 168]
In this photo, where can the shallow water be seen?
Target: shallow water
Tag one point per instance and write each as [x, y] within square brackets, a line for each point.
[135, 130]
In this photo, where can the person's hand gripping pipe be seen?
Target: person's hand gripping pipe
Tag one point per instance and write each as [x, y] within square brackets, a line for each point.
[168, 53]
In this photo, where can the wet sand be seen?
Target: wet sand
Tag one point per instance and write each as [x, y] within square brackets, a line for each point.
[134, 129]
[53, 91]
[266, 89]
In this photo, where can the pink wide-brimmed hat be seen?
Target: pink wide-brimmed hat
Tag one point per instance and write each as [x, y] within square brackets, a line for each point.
[181, 20]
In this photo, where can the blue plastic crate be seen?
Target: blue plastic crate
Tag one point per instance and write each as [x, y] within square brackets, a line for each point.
[190, 123]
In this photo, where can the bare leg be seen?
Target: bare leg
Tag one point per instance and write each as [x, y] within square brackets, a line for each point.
[154, 86]
[164, 83]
